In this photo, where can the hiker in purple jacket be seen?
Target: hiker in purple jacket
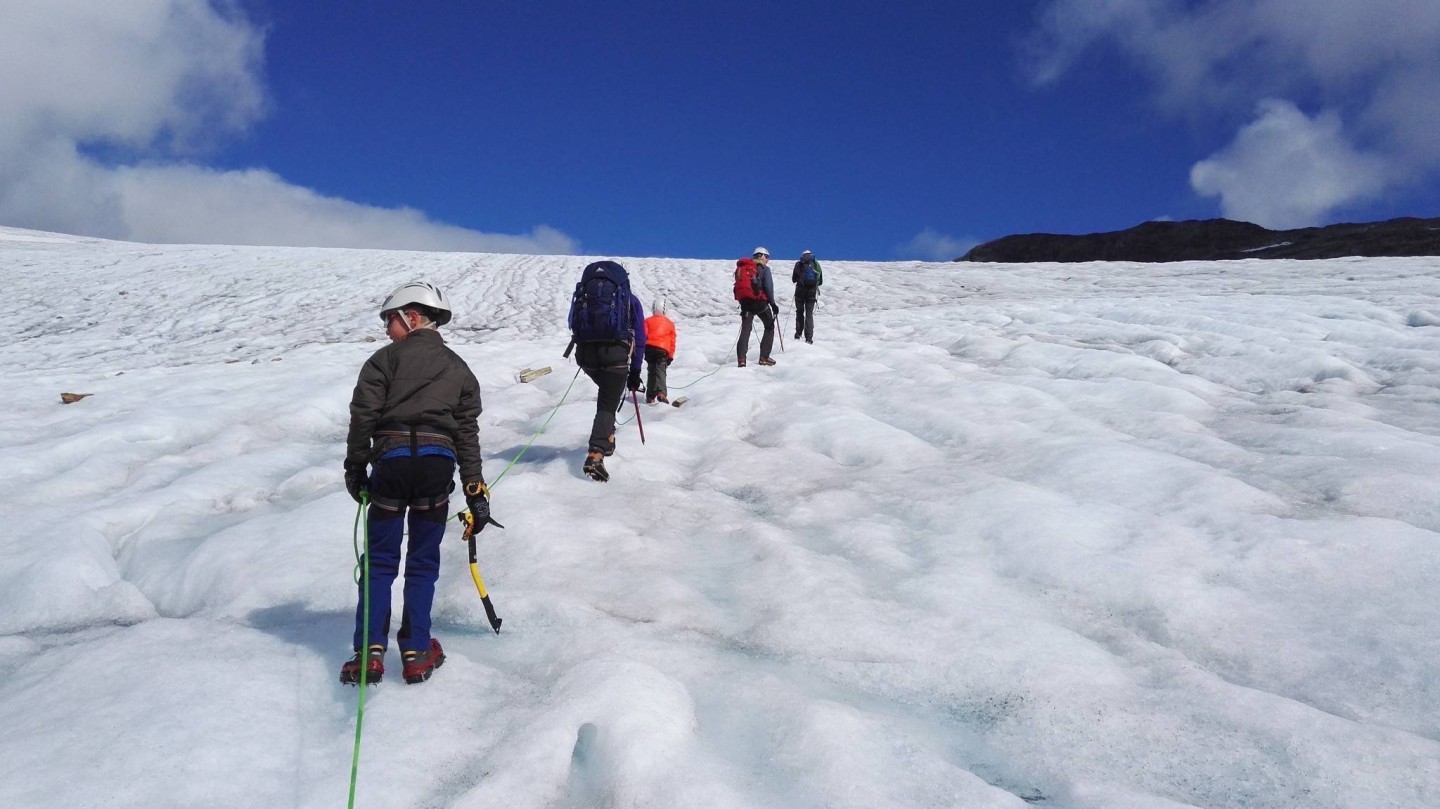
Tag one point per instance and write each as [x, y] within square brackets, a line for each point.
[612, 360]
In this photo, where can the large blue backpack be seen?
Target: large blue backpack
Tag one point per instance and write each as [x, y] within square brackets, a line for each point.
[809, 273]
[600, 309]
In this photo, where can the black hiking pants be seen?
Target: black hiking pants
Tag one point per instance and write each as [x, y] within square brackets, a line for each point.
[656, 362]
[804, 317]
[748, 312]
[608, 365]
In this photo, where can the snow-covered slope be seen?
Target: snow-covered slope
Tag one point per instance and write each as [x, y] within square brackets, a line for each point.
[1059, 535]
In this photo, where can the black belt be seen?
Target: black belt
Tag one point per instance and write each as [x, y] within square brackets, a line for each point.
[420, 504]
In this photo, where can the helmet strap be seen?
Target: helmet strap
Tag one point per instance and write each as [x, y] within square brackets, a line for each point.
[404, 321]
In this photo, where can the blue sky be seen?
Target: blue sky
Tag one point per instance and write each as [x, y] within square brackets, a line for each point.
[702, 129]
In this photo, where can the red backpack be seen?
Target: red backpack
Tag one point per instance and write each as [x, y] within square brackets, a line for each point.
[747, 282]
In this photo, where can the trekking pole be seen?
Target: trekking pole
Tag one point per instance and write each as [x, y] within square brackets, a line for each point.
[469, 536]
[635, 397]
[780, 330]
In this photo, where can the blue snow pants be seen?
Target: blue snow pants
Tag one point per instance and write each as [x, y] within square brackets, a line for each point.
[420, 482]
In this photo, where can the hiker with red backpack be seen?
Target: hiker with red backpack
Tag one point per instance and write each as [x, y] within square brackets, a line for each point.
[659, 352]
[414, 417]
[755, 291]
[607, 333]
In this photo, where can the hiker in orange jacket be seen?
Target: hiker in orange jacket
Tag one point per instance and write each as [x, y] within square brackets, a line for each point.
[659, 352]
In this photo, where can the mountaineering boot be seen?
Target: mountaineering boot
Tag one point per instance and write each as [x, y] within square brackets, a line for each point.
[595, 466]
[662, 398]
[766, 361]
[420, 665]
[649, 399]
[374, 667]
[808, 340]
[742, 362]
[610, 450]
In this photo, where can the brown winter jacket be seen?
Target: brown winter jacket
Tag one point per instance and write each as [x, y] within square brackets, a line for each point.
[417, 382]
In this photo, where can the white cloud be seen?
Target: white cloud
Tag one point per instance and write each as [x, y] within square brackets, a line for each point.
[1286, 170]
[931, 245]
[130, 73]
[191, 204]
[1373, 65]
[161, 82]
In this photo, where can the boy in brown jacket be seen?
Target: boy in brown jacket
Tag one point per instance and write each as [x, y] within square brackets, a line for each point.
[413, 420]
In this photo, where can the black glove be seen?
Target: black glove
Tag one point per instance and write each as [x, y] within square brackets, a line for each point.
[775, 307]
[355, 479]
[633, 381]
[477, 497]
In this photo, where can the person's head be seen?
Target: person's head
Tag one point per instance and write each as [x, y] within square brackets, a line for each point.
[416, 305]
[761, 255]
[807, 256]
[659, 307]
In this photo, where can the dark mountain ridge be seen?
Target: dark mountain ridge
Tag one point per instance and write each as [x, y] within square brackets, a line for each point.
[1218, 240]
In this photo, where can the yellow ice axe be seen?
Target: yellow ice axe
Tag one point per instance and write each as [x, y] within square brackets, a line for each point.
[469, 537]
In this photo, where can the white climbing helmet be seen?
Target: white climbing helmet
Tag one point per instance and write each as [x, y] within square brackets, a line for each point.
[806, 253]
[659, 307]
[422, 293]
[760, 251]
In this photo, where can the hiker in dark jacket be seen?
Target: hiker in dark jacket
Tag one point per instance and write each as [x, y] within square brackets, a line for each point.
[614, 365]
[807, 279]
[413, 419]
[766, 310]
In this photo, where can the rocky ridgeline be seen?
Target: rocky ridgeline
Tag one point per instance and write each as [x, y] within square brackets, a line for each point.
[1218, 239]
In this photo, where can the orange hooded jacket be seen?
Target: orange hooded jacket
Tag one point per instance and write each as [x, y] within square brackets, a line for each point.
[660, 332]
